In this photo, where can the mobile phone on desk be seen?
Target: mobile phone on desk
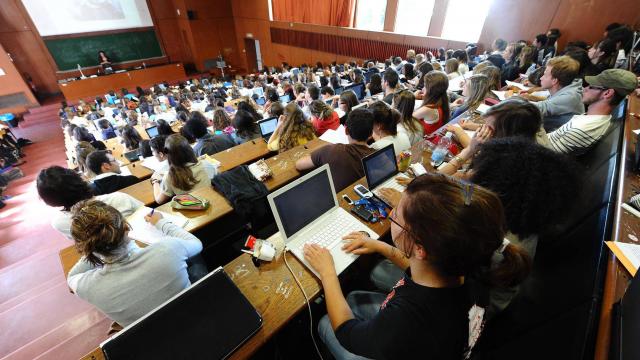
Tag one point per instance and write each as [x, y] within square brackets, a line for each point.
[362, 213]
[362, 191]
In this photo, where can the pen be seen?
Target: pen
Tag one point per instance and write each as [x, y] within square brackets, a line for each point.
[152, 210]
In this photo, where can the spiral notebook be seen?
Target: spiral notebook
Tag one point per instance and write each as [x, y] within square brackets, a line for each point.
[143, 231]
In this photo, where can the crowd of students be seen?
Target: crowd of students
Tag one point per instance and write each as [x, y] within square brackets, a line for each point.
[463, 238]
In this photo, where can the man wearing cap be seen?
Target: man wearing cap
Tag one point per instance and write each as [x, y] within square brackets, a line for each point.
[604, 92]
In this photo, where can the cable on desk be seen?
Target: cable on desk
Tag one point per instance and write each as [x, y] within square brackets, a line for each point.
[284, 255]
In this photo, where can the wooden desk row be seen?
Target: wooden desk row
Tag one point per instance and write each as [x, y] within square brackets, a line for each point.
[626, 228]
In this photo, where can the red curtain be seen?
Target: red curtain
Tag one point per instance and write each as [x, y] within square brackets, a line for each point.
[332, 12]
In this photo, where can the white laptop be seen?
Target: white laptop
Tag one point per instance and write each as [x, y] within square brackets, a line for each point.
[381, 170]
[307, 211]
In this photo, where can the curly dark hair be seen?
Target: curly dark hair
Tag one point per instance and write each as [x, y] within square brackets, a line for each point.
[534, 183]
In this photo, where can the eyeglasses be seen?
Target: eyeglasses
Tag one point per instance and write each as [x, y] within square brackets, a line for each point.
[593, 87]
[392, 216]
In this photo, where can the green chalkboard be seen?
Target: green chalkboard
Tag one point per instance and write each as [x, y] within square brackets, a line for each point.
[120, 47]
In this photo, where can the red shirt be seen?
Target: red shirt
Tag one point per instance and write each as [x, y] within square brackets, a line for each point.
[322, 125]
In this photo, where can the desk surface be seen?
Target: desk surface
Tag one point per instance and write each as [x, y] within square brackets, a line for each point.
[625, 226]
[270, 288]
[98, 86]
[229, 159]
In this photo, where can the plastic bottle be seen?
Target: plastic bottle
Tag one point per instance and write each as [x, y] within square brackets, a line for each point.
[439, 154]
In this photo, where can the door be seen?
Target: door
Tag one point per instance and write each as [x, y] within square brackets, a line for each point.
[251, 55]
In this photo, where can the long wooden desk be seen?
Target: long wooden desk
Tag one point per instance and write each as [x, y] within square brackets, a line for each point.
[270, 288]
[98, 86]
[229, 159]
[626, 227]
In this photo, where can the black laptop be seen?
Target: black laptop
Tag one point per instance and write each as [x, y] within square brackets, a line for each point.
[267, 127]
[208, 320]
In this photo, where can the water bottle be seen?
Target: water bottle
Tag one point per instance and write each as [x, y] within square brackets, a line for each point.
[442, 149]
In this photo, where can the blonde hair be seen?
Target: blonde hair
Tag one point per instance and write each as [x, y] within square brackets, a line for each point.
[492, 72]
[98, 230]
[564, 68]
[479, 89]
[295, 127]
[451, 66]
[436, 66]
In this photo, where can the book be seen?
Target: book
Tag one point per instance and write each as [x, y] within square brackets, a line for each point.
[143, 231]
[628, 254]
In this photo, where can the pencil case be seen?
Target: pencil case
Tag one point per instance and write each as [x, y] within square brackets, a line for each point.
[189, 202]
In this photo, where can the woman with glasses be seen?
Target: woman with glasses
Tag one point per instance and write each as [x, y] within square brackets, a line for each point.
[445, 234]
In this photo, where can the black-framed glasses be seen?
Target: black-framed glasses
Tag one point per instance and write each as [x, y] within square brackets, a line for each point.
[594, 87]
[392, 215]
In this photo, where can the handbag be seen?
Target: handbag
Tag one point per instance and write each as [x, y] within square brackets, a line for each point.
[189, 202]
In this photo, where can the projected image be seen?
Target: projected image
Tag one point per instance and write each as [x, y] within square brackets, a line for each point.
[90, 10]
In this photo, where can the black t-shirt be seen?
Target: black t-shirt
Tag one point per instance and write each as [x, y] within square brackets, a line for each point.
[344, 160]
[415, 321]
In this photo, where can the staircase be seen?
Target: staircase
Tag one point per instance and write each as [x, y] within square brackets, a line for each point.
[39, 317]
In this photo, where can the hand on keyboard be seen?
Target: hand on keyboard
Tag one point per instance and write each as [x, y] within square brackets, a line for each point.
[358, 243]
[391, 196]
[320, 260]
[403, 180]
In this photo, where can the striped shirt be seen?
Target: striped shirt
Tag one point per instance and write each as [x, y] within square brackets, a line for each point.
[579, 134]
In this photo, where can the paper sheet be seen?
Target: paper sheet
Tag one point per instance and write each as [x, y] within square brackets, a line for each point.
[152, 163]
[518, 85]
[628, 254]
[147, 233]
[337, 136]
[482, 108]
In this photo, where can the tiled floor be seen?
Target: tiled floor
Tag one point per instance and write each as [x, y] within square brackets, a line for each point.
[39, 317]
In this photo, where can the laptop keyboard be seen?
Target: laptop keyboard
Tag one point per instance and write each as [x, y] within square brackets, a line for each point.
[391, 184]
[332, 232]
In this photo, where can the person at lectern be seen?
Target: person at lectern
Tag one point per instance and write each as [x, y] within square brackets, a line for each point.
[103, 59]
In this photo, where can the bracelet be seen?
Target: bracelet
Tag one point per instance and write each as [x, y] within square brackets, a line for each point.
[459, 160]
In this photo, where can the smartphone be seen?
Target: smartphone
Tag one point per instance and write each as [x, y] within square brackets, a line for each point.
[362, 191]
[362, 213]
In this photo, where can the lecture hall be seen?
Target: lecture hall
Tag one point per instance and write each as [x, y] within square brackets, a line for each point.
[328, 179]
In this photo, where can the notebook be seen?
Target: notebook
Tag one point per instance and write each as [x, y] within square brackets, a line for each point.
[324, 223]
[381, 170]
[143, 231]
[208, 320]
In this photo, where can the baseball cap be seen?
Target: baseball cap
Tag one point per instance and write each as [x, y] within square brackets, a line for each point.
[622, 81]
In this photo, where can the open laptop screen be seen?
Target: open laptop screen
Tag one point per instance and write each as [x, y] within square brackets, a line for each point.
[358, 89]
[268, 126]
[285, 99]
[152, 131]
[209, 320]
[380, 166]
[305, 202]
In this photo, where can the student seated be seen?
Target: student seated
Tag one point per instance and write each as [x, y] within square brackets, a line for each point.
[292, 130]
[246, 128]
[346, 101]
[206, 143]
[561, 79]
[345, 161]
[385, 128]
[604, 92]
[107, 170]
[434, 111]
[475, 90]
[404, 101]
[164, 128]
[390, 83]
[82, 134]
[323, 117]
[130, 137]
[537, 188]
[118, 277]
[222, 122]
[106, 129]
[512, 117]
[186, 172]
[158, 152]
[61, 187]
[445, 234]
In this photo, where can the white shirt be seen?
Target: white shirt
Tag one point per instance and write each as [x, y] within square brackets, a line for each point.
[400, 143]
[413, 137]
[579, 134]
[124, 203]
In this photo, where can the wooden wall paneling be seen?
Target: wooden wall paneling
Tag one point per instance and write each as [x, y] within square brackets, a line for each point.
[228, 44]
[586, 20]
[206, 9]
[251, 9]
[12, 17]
[12, 82]
[515, 20]
[260, 30]
[169, 32]
[162, 9]
[281, 53]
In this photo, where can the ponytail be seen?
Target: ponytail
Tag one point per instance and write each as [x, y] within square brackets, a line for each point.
[509, 267]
